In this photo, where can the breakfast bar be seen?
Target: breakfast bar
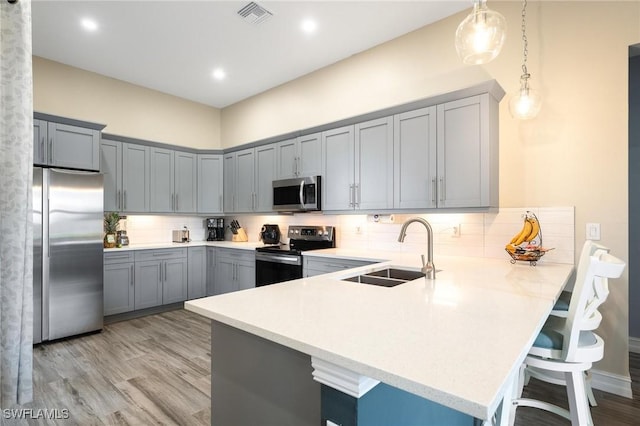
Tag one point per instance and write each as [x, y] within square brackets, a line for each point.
[452, 342]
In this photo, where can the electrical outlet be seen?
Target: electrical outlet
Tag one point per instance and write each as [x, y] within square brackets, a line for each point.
[593, 231]
[456, 231]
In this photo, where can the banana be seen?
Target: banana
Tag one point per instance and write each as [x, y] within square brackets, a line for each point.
[526, 230]
[517, 236]
[510, 248]
[535, 229]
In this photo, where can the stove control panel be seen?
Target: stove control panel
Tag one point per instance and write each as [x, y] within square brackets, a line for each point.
[311, 233]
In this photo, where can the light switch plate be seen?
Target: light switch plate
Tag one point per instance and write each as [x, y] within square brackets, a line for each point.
[593, 231]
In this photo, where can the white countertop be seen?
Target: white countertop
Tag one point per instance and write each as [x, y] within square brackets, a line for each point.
[225, 244]
[454, 340]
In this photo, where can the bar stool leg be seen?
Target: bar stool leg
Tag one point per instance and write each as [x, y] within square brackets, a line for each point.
[578, 402]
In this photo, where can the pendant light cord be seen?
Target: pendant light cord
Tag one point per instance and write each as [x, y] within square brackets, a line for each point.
[525, 45]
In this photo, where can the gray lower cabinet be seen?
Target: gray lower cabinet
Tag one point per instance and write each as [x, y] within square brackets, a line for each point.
[235, 270]
[211, 270]
[119, 283]
[65, 145]
[197, 273]
[160, 277]
[313, 266]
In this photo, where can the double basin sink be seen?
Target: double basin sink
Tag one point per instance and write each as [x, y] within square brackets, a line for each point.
[388, 277]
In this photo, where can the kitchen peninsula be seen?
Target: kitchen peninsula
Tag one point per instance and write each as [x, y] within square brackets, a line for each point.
[454, 342]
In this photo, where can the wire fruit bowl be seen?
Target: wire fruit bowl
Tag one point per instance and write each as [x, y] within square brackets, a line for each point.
[526, 246]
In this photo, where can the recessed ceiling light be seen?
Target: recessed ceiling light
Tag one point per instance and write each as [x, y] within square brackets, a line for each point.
[89, 24]
[219, 74]
[309, 26]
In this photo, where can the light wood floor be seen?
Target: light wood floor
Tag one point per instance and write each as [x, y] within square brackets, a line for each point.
[151, 370]
[156, 370]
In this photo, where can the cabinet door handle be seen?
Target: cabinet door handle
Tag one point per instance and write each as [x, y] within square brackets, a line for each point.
[51, 149]
[356, 196]
[118, 204]
[41, 156]
[124, 200]
[131, 274]
[294, 168]
[160, 271]
[165, 271]
[351, 200]
[177, 204]
[441, 190]
[433, 191]
[220, 203]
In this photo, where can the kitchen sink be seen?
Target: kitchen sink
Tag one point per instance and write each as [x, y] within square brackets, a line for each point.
[398, 274]
[389, 277]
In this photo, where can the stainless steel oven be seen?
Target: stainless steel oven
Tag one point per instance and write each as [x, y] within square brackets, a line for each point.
[297, 195]
[283, 262]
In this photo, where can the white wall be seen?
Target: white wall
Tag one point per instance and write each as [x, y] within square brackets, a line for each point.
[126, 109]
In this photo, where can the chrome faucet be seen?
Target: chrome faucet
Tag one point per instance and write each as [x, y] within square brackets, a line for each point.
[427, 268]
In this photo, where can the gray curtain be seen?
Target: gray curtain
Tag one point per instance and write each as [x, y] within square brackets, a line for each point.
[16, 161]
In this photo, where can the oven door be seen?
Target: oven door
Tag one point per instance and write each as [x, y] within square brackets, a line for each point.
[274, 268]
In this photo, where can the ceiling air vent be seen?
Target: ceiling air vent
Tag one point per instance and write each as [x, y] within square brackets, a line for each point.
[254, 13]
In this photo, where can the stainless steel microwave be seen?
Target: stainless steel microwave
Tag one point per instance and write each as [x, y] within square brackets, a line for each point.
[297, 195]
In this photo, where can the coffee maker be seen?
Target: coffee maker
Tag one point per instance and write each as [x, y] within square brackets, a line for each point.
[215, 229]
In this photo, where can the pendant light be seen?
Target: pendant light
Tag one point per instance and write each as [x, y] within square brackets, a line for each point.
[481, 35]
[525, 104]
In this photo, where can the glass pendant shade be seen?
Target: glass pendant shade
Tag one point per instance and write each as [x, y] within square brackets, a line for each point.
[479, 38]
[525, 104]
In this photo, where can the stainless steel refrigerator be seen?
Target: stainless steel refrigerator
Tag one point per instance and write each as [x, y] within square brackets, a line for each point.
[67, 253]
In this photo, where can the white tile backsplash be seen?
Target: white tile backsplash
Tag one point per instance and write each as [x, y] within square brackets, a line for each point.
[481, 234]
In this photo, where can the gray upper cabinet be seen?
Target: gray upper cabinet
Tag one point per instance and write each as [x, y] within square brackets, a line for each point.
[301, 156]
[210, 183]
[287, 152]
[40, 143]
[358, 166]
[173, 181]
[245, 181]
[186, 178]
[162, 196]
[65, 145]
[338, 153]
[265, 174]
[136, 178]
[239, 181]
[373, 181]
[468, 153]
[126, 170]
[415, 160]
[229, 172]
[73, 147]
[111, 169]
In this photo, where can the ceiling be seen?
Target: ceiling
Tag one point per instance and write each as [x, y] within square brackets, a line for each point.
[174, 46]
